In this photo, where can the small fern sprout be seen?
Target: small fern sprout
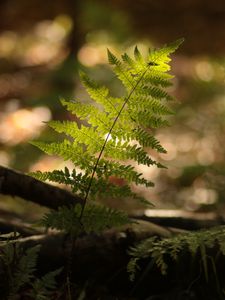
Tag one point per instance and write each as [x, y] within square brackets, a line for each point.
[116, 130]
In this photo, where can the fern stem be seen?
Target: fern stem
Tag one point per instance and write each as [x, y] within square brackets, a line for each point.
[68, 283]
[106, 140]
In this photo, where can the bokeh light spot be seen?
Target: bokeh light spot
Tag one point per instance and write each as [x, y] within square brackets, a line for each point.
[90, 56]
[23, 124]
[204, 70]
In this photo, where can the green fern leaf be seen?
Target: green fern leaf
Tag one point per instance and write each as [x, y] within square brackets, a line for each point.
[138, 57]
[44, 288]
[147, 140]
[161, 56]
[113, 60]
[114, 129]
[96, 218]
[195, 242]
[25, 269]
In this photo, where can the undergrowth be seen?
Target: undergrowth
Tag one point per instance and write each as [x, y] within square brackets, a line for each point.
[160, 249]
[112, 135]
[18, 275]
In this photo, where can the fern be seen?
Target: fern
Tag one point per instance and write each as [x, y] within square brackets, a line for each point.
[173, 247]
[116, 129]
[20, 269]
[25, 269]
[95, 218]
[44, 287]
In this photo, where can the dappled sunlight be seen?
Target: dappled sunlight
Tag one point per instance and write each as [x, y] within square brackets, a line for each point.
[204, 70]
[149, 173]
[47, 163]
[185, 142]
[205, 196]
[39, 54]
[196, 197]
[39, 45]
[171, 151]
[56, 30]
[90, 55]
[23, 124]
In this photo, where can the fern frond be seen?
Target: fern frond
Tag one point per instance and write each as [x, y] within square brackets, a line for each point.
[148, 120]
[138, 57]
[123, 72]
[154, 92]
[115, 129]
[21, 266]
[147, 140]
[100, 94]
[129, 61]
[158, 79]
[59, 176]
[44, 288]
[87, 136]
[79, 109]
[102, 188]
[78, 182]
[112, 59]
[91, 114]
[156, 106]
[106, 169]
[161, 56]
[96, 218]
[123, 151]
[68, 151]
[193, 241]
[25, 269]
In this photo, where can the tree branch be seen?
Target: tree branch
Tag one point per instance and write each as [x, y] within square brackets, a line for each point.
[14, 183]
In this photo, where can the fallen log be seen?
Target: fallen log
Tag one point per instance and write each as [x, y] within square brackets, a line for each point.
[99, 263]
[95, 257]
[14, 183]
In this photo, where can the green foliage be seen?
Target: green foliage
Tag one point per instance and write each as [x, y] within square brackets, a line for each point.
[20, 267]
[101, 186]
[95, 218]
[114, 130]
[44, 287]
[193, 242]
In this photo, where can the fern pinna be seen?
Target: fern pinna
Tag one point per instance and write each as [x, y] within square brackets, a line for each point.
[158, 250]
[115, 129]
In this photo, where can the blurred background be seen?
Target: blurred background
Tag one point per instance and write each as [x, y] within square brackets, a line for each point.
[43, 44]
